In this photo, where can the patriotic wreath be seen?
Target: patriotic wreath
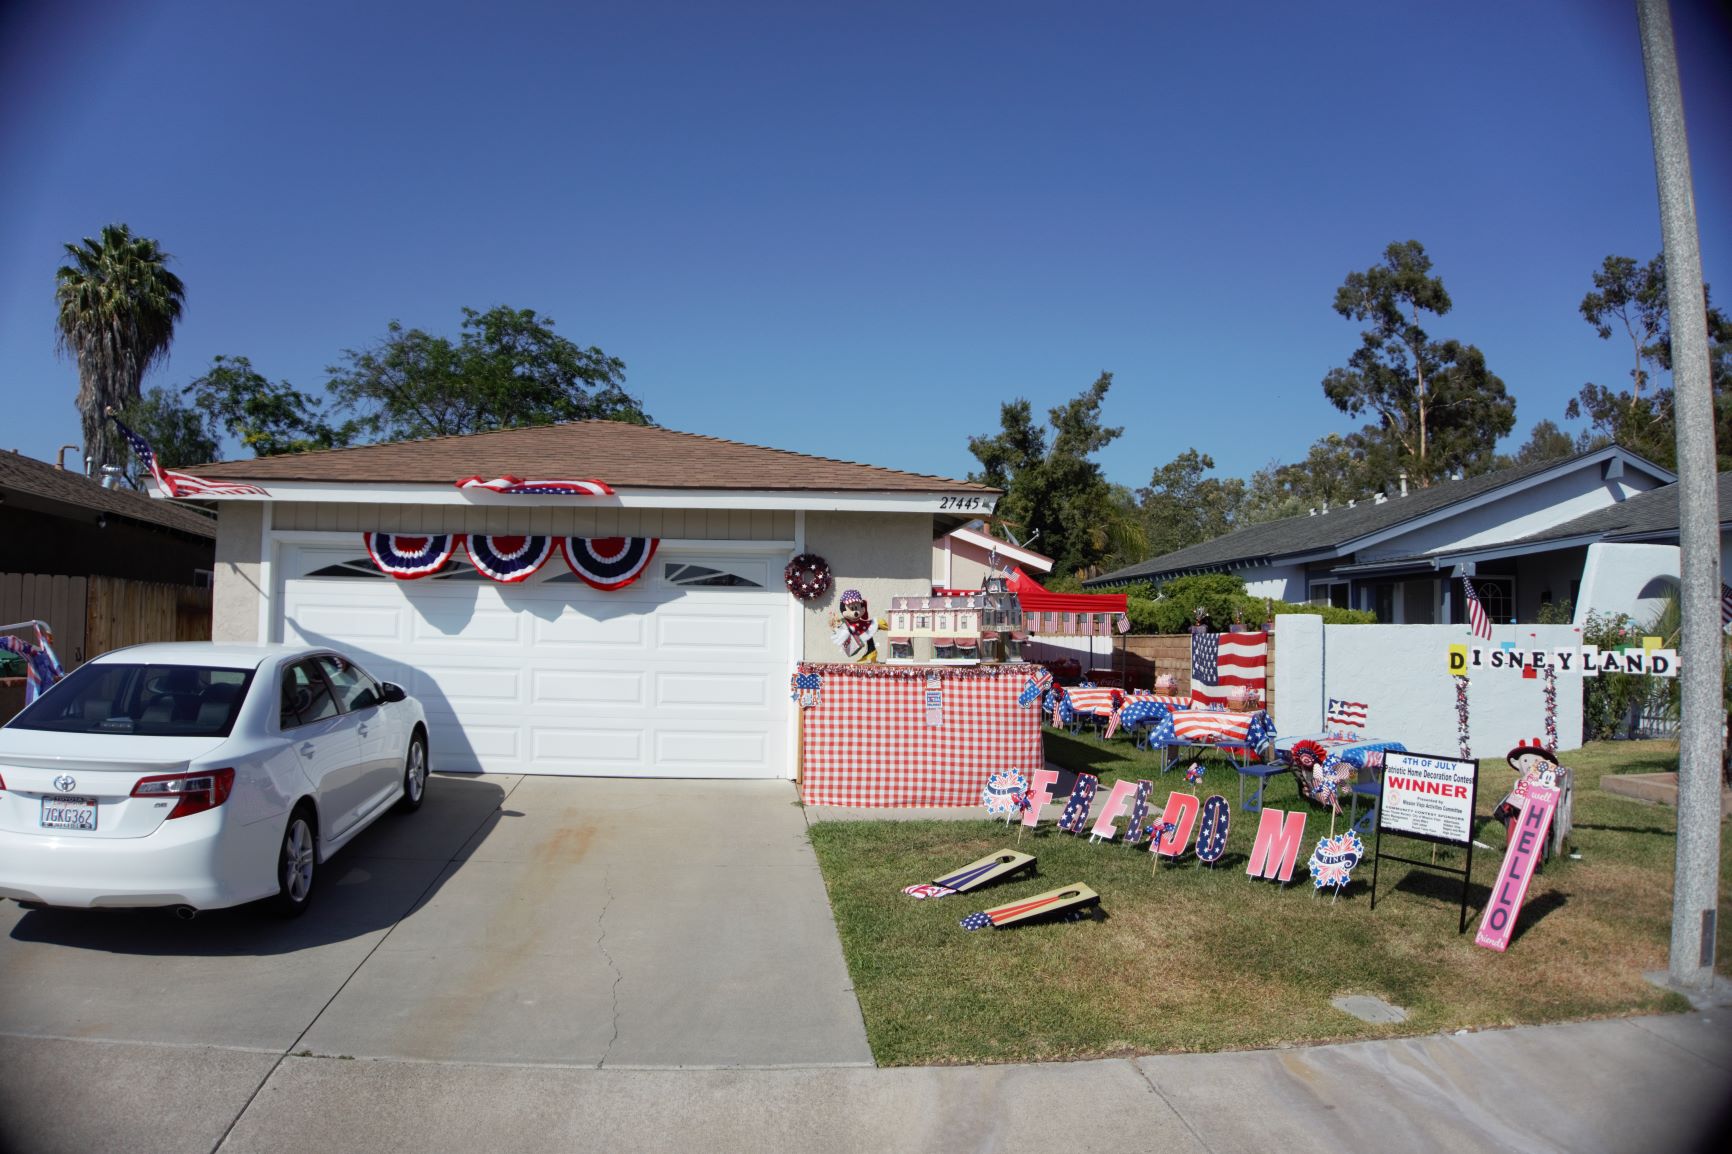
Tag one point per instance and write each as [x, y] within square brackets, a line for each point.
[807, 576]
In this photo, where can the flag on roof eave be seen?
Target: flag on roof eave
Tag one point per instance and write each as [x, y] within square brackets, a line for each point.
[177, 484]
[518, 487]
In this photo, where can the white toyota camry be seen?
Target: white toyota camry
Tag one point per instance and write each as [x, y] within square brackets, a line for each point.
[200, 775]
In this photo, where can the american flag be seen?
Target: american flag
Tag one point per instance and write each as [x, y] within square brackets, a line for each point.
[1725, 607]
[182, 484]
[518, 487]
[1344, 715]
[1476, 614]
[41, 666]
[1220, 661]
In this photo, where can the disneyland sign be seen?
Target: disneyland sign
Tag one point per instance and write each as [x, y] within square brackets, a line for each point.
[1588, 660]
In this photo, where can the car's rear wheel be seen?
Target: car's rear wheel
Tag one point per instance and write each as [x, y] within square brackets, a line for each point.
[414, 774]
[297, 863]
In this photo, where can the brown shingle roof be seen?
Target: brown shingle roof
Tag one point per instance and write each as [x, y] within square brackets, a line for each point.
[38, 478]
[625, 456]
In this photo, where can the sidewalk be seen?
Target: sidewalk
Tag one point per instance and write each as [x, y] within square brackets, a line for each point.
[1646, 1084]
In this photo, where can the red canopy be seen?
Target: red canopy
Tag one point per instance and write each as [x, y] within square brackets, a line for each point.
[1036, 599]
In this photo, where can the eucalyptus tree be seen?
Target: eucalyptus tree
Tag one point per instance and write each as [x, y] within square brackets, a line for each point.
[117, 305]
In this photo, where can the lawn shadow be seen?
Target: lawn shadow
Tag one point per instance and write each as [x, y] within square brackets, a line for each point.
[1651, 829]
[1533, 911]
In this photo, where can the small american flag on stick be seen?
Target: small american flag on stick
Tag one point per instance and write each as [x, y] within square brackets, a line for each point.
[1476, 614]
[177, 484]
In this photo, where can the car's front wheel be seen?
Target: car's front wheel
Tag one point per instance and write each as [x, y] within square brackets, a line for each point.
[297, 862]
[414, 774]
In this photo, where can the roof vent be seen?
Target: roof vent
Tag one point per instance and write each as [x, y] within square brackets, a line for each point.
[1404, 482]
[1313, 510]
[1379, 498]
[1352, 502]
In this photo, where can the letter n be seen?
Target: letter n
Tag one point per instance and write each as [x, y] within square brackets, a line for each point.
[1276, 849]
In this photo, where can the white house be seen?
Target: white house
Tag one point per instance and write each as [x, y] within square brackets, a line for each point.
[1522, 534]
[683, 672]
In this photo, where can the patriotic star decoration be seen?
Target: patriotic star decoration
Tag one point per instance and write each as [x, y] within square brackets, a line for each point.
[1333, 860]
[1023, 801]
[1002, 788]
[976, 922]
[1161, 831]
[1194, 775]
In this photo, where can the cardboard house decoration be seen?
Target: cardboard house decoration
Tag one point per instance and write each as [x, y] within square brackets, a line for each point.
[958, 625]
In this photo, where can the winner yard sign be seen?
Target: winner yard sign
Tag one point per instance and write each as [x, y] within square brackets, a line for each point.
[1430, 798]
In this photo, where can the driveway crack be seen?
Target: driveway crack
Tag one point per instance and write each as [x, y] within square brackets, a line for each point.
[601, 944]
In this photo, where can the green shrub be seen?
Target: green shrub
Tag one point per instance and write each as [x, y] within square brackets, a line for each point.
[1170, 607]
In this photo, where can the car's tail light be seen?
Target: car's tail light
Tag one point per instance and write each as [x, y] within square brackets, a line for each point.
[194, 792]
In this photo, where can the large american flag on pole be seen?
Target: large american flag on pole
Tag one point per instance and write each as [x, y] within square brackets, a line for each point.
[177, 484]
[1222, 661]
[1476, 614]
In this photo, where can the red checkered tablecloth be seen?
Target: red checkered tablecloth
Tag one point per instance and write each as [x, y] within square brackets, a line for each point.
[867, 741]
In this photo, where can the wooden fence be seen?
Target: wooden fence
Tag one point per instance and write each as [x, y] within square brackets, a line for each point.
[92, 615]
[1144, 656]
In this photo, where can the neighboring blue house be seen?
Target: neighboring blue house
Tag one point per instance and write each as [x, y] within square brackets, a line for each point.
[1523, 534]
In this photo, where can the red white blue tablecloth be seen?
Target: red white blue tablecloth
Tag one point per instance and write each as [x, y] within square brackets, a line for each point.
[868, 740]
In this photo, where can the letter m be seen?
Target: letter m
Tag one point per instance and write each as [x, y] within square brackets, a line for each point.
[1276, 849]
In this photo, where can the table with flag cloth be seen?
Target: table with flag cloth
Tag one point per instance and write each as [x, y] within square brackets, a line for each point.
[868, 739]
[1239, 735]
[1352, 750]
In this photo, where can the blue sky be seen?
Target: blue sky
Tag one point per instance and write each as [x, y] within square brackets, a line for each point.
[854, 229]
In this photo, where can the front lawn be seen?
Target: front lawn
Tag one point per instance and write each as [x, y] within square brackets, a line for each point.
[1193, 958]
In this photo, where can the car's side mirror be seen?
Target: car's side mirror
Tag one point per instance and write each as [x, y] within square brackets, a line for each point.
[390, 692]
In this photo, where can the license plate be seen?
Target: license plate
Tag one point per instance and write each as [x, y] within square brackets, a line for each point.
[69, 813]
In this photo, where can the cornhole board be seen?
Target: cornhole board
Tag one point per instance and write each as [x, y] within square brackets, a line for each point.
[1074, 897]
[1000, 866]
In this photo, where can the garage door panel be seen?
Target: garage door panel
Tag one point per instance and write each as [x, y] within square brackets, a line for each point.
[460, 684]
[316, 623]
[480, 625]
[711, 690]
[709, 632]
[617, 630]
[588, 747]
[562, 688]
[689, 748]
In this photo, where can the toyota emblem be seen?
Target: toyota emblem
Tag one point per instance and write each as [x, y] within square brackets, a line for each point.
[66, 783]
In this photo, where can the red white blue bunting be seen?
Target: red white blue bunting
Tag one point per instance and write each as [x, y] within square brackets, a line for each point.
[518, 487]
[608, 562]
[409, 556]
[508, 557]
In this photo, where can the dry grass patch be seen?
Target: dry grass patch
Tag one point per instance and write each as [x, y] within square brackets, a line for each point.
[1191, 958]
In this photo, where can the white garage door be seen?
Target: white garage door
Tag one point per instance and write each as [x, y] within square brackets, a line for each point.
[682, 674]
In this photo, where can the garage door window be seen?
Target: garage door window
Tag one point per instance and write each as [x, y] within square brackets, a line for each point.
[363, 569]
[710, 576]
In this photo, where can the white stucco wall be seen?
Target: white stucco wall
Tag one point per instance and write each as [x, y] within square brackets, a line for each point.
[1401, 673]
[235, 592]
[883, 555]
[1298, 690]
[1626, 579]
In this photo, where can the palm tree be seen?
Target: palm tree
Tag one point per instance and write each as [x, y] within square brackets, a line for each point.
[118, 305]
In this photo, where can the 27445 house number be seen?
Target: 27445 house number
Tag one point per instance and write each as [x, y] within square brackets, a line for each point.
[962, 503]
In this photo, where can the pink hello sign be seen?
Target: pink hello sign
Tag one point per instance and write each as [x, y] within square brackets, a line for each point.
[1519, 863]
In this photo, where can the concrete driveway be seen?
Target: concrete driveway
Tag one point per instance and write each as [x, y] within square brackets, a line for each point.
[518, 920]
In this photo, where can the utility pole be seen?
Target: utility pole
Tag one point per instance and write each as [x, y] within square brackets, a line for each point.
[1696, 887]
